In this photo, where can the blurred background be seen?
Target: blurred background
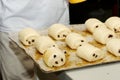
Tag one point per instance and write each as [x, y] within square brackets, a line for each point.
[100, 9]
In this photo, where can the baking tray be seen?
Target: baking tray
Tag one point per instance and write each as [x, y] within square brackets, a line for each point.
[73, 61]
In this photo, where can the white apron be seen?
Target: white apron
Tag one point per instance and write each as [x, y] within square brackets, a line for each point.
[16, 15]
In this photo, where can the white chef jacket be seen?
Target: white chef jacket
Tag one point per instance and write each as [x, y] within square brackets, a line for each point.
[39, 14]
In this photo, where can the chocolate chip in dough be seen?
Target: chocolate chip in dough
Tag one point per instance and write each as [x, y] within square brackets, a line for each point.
[62, 59]
[53, 45]
[119, 51]
[94, 54]
[56, 62]
[58, 36]
[33, 40]
[115, 30]
[64, 35]
[29, 42]
[82, 40]
[97, 26]
[110, 36]
[54, 56]
[65, 52]
[80, 45]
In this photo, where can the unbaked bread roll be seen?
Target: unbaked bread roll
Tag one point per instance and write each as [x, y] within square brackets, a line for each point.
[54, 57]
[90, 53]
[58, 31]
[113, 46]
[93, 23]
[43, 43]
[102, 35]
[113, 23]
[74, 40]
[28, 36]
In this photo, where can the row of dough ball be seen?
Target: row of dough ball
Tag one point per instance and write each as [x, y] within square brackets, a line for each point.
[99, 30]
[104, 33]
[84, 50]
[52, 55]
[76, 41]
[113, 23]
[57, 31]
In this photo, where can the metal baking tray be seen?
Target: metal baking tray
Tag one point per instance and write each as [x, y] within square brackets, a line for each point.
[73, 61]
